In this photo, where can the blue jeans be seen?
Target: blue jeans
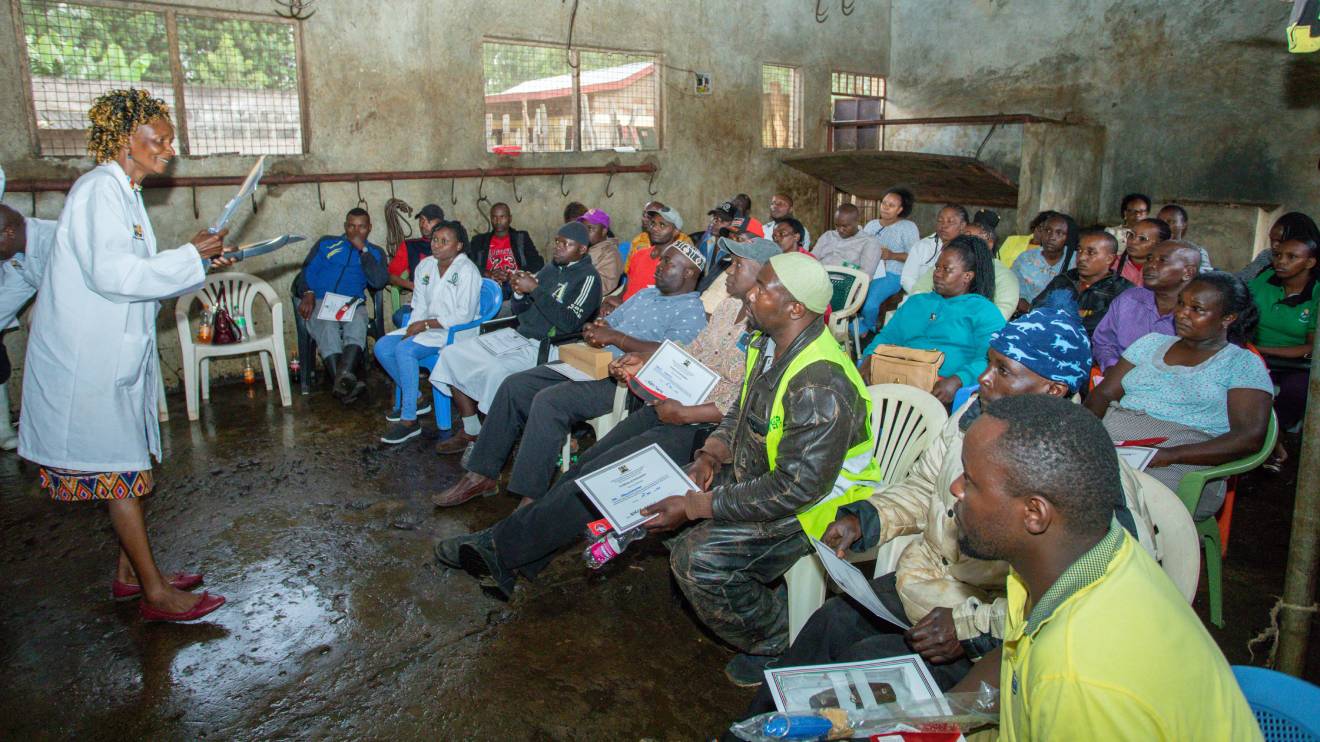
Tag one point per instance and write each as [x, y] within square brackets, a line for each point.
[402, 358]
[880, 289]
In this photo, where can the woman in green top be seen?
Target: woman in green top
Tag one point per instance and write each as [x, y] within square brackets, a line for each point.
[1288, 300]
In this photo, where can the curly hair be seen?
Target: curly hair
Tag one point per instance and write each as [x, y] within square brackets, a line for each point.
[115, 115]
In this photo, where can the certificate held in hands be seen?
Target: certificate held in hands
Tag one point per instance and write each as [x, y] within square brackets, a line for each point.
[619, 491]
[673, 373]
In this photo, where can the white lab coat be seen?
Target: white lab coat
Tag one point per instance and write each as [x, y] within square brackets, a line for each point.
[20, 276]
[452, 299]
[920, 261]
[89, 381]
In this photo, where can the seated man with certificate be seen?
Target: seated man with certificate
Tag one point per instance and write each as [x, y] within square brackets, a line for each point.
[523, 543]
[541, 406]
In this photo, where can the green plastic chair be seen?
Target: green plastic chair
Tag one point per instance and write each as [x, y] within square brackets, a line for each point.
[1189, 491]
[393, 299]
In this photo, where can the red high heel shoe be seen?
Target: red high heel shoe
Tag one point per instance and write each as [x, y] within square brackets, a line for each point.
[204, 606]
[180, 581]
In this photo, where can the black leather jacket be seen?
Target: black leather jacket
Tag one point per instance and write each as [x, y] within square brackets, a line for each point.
[824, 416]
[524, 251]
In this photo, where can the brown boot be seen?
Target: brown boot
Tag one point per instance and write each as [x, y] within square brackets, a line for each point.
[468, 486]
[455, 443]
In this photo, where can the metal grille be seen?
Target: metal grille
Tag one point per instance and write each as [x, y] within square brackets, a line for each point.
[856, 97]
[852, 85]
[867, 208]
[781, 107]
[530, 89]
[240, 76]
[240, 86]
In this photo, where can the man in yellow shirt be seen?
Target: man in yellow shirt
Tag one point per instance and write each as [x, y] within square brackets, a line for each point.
[1099, 644]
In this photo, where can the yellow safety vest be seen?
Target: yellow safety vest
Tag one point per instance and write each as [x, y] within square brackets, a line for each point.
[815, 518]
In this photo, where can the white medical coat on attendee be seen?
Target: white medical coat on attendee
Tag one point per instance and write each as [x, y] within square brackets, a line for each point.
[451, 299]
[20, 276]
[89, 380]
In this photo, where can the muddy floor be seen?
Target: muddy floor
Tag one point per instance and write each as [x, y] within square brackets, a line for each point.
[339, 623]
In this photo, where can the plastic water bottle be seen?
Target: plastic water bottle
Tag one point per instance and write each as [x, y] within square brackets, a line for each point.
[241, 323]
[204, 327]
[609, 545]
[295, 369]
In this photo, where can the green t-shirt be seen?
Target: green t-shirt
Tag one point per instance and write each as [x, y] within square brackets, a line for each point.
[1282, 325]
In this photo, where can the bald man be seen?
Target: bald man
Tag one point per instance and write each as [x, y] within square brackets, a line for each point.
[847, 245]
[24, 246]
[1148, 308]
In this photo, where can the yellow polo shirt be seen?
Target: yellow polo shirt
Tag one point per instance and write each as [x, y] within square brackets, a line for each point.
[1113, 652]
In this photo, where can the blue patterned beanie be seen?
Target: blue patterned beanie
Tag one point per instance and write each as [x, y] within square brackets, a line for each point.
[1049, 340]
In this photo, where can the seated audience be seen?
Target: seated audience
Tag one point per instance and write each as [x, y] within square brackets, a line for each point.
[957, 318]
[744, 204]
[347, 265]
[663, 228]
[536, 409]
[1291, 226]
[1057, 253]
[1015, 245]
[921, 257]
[1006, 281]
[1204, 394]
[781, 208]
[522, 544]
[1092, 284]
[447, 292]
[503, 250]
[788, 235]
[556, 301]
[1134, 207]
[1149, 307]
[1098, 643]
[846, 245]
[625, 247]
[896, 234]
[410, 252]
[1141, 239]
[1287, 300]
[573, 210]
[1176, 217]
[604, 250]
[714, 289]
[721, 218]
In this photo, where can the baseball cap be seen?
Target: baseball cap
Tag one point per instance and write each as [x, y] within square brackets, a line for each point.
[758, 249]
[576, 232]
[597, 217]
[668, 214]
[743, 224]
[805, 279]
[725, 211]
[431, 211]
[690, 252]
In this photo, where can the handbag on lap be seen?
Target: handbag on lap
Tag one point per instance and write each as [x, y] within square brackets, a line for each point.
[894, 364]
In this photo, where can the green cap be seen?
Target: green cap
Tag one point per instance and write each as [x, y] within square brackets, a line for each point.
[805, 278]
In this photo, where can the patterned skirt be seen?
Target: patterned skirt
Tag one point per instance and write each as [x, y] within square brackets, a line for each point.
[68, 485]
[1125, 425]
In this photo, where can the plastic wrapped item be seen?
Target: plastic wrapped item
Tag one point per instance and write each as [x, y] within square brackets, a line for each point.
[953, 713]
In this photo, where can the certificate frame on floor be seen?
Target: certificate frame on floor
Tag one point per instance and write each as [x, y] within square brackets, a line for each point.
[621, 489]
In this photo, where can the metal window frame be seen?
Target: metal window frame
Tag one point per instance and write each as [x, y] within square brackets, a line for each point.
[662, 104]
[794, 104]
[170, 14]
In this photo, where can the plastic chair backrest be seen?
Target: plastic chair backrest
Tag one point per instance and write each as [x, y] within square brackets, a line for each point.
[1285, 707]
[844, 282]
[904, 420]
[1193, 482]
[1175, 534]
[240, 292]
[492, 296]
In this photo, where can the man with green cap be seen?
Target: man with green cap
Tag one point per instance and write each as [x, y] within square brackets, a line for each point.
[775, 470]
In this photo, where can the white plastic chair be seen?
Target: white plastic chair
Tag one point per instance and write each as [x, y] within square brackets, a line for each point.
[602, 425]
[241, 290]
[850, 286]
[904, 420]
[1178, 547]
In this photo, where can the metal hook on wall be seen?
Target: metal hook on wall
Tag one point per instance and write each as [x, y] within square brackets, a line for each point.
[608, 182]
[562, 190]
[453, 200]
[197, 214]
[481, 196]
[34, 203]
[320, 199]
[481, 186]
[362, 202]
[516, 197]
[254, 202]
[649, 190]
[392, 196]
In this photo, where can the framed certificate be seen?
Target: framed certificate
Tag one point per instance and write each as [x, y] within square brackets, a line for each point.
[673, 373]
[623, 488]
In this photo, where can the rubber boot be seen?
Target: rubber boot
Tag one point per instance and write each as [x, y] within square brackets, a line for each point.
[332, 365]
[347, 386]
[8, 438]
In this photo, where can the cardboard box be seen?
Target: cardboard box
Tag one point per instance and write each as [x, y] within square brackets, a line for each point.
[594, 362]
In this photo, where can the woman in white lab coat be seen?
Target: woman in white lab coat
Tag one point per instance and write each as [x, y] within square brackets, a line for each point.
[446, 292]
[89, 380]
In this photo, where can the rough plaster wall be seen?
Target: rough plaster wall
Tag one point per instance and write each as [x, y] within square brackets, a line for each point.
[398, 86]
[1199, 98]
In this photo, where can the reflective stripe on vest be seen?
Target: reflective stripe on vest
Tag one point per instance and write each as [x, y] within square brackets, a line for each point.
[815, 518]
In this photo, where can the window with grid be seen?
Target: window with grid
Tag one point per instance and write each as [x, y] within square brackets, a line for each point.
[231, 81]
[855, 97]
[781, 107]
[536, 101]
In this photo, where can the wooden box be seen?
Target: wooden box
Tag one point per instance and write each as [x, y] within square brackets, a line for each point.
[594, 362]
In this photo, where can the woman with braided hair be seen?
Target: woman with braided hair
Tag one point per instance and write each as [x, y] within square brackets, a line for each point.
[90, 381]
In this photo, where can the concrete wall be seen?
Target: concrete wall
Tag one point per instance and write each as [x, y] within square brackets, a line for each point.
[1200, 99]
[398, 86]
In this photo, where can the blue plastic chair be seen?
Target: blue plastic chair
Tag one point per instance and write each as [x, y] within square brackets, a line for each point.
[492, 296]
[1287, 709]
[963, 394]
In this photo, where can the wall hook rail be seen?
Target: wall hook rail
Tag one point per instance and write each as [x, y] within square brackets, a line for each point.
[562, 190]
[392, 196]
[650, 190]
[362, 202]
[320, 198]
[197, 213]
[516, 197]
[254, 202]
[453, 200]
[608, 182]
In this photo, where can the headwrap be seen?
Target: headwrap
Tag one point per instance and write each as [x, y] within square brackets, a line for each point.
[1050, 340]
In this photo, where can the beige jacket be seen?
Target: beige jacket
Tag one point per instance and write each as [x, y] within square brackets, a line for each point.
[933, 572]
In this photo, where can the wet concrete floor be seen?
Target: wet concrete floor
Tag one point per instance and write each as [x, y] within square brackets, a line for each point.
[339, 623]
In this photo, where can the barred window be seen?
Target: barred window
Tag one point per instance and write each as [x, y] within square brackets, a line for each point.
[781, 107]
[530, 91]
[855, 97]
[231, 80]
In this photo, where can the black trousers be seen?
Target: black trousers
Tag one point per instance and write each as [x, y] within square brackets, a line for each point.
[5, 368]
[844, 631]
[530, 537]
[541, 407]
